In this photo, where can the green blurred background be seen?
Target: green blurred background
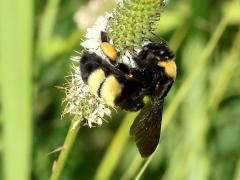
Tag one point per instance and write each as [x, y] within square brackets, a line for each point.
[201, 127]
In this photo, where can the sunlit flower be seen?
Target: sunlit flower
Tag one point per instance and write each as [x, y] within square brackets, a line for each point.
[93, 40]
[127, 26]
[81, 103]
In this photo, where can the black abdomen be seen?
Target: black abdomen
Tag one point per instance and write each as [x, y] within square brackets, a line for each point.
[88, 64]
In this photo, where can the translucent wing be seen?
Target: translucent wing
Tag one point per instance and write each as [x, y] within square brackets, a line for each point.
[146, 127]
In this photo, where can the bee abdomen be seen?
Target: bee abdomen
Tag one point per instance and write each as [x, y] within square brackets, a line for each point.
[110, 90]
[101, 84]
[88, 65]
[95, 80]
[107, 88]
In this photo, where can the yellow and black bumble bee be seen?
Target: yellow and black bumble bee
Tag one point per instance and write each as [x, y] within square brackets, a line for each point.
[125, 87]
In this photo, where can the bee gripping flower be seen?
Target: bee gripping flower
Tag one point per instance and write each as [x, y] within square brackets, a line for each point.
[127, 27]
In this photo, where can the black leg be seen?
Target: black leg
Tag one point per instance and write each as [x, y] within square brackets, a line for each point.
[104, 36]
[163, 88]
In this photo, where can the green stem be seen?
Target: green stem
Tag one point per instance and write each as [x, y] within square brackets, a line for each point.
[216, 95]
[178, 37]
[47, 23]
[145, 165]
[177, 99]
[131, 171]
[115, 149]
[71, 136]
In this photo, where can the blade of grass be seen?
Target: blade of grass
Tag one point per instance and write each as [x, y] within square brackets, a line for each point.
[145, 165]
[192, 50]
[58, 46]
[135, 165]
[178, 37]
[68, 143]
[231, 63]
[216, 93]
[113, 153]
[16, 22]
[237, 171]
[181, 93]
[177, 99]
[47, 23]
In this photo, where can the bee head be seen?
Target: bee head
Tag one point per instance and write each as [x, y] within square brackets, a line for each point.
[159, 55]
[160, 52]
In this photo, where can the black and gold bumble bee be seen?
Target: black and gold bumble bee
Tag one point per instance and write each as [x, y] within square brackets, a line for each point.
[125, 87]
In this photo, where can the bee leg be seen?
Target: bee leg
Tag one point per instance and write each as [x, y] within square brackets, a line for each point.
[123, 67]
[104, 37]
[162, 88]
[129, 104]
[133, 106]
[88, 64]
[142, 76]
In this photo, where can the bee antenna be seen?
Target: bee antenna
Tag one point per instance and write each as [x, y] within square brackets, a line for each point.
[163, 41]
[155, 35]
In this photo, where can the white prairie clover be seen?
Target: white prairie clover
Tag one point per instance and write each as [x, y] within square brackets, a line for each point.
[80, 102]
[127, 27]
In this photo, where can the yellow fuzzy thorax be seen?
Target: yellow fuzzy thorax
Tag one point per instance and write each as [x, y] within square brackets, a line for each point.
[170, 68]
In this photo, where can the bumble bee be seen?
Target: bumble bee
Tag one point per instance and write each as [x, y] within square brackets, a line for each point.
[125, 87]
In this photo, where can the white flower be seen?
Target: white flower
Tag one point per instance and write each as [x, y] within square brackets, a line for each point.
[93, 40]
[80, 102]
[127, 59]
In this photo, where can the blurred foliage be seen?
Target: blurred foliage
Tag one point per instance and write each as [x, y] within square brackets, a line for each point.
[201, 140]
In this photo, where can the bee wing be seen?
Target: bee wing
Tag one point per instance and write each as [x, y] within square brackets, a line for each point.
[146, 127]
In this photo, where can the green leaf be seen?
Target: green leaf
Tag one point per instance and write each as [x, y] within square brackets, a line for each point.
[231, 10]
[16, 22]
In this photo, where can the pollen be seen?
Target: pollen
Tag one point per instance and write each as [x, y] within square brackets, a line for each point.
[109, 50]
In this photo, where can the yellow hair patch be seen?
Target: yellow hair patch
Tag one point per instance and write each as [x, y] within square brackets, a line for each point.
[95, 79]
[110, 90]
[109, 50]
[170, 68]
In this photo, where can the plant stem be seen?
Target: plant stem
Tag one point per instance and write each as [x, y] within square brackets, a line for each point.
[222, 82]
[47, 23]
[71, 136]
[113, 153]
[177, 99]
[131, 171]
[145, 165]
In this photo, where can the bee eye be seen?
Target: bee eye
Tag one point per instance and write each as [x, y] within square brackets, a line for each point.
[162, 52]
[145, 48]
